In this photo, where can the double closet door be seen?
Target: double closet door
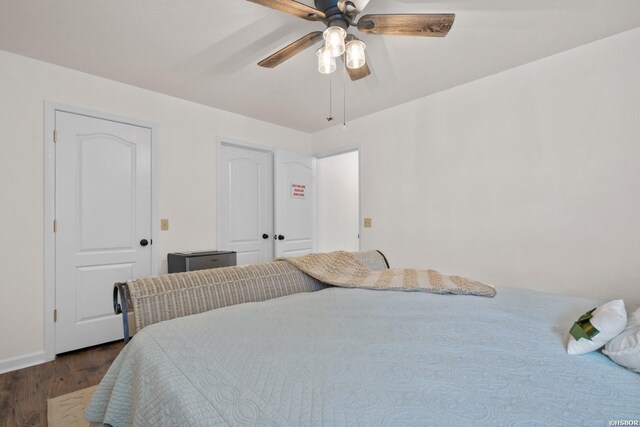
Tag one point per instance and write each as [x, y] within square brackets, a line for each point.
[266, 203]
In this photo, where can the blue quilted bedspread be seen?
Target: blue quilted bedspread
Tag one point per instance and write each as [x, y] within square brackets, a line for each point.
[351, 357]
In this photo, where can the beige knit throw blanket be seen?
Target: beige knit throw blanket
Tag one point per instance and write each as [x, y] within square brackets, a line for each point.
[345, 270]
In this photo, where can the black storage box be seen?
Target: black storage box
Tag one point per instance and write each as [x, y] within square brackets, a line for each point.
[190, 261]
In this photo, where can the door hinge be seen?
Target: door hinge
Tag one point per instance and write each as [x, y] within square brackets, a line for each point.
[55, 315]
[55, 225]
[55, 136]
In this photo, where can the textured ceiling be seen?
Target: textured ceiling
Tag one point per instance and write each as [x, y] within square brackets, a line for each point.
[206, 51]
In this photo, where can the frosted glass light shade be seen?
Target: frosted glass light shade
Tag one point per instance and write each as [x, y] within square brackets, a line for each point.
[326, 62]
[334, 40]
[355, 54]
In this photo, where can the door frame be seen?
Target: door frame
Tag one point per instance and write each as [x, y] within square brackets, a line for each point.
[220, 141]
[337, 152]
[50, 109]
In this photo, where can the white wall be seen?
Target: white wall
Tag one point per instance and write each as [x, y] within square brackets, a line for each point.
[338, 203]
[186, 164]
[529, 178]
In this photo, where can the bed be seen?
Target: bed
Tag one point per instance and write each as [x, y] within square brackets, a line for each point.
[356, 357]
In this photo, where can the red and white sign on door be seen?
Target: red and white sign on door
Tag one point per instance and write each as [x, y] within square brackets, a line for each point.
[298, 191]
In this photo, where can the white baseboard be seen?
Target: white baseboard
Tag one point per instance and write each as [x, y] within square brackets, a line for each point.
[24, 361]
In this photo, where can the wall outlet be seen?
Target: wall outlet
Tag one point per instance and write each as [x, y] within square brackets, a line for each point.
[367, 223]
[164, 224]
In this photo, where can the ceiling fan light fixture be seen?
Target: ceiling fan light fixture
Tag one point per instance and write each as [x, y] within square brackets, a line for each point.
[334, 40]
[326, 62]
[355, 54]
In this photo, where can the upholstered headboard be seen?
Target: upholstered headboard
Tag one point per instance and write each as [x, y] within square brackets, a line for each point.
[150, 300]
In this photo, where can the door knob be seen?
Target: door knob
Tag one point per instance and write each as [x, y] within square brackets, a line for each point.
[265, 236]
[144, 242]
[280, 237]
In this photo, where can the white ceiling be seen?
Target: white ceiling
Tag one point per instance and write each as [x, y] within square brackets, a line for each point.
[206, 50]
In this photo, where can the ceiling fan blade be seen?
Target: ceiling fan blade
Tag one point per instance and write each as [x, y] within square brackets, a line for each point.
[426, 25]
[359, 73]
[294, 8]
[293, 49]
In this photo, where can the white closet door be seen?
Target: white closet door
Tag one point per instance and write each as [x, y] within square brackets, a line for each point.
[103, 217]
[296, 200]
[246, 203]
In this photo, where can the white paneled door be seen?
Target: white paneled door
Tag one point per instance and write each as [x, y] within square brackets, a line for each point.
[295, 211]
[245, 203]
[103, 223]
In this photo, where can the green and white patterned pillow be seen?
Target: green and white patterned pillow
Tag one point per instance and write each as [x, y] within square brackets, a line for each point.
[597, 327]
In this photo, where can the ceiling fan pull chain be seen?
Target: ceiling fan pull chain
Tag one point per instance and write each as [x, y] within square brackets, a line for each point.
[330, 118]
[344, 92]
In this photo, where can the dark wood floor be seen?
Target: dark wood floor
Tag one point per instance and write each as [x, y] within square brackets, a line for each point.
[24, 393]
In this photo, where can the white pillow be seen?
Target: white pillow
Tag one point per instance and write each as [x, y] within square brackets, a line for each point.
[625, 348]
[597, 327]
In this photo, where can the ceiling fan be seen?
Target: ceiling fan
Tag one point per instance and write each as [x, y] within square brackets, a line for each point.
[338, 16]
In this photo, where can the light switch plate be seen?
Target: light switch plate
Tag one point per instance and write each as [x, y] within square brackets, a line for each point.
[367, 223]
[164, 224]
